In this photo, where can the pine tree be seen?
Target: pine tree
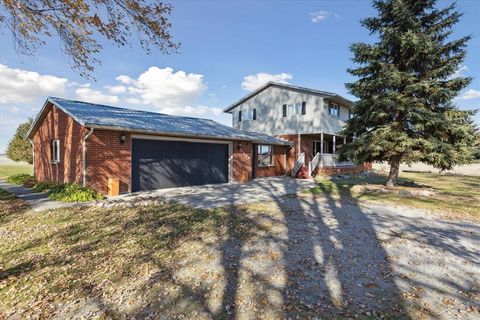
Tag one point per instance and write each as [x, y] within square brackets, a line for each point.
[405, 89]
[19, 148]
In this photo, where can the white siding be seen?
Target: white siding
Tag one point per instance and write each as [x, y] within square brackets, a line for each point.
[270, 118]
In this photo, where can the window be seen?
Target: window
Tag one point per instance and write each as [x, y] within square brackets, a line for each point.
[294, 109]
[334, 110]
[247, 114]
[265, 155]
[351, 114]
[55, 151]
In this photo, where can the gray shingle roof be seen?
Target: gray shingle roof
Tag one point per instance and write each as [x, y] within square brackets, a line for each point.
[101, 116]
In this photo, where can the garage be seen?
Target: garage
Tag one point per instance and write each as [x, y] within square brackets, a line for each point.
[158, 164]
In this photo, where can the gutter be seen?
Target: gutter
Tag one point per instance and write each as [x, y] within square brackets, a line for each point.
[33, 155]
[84, 157]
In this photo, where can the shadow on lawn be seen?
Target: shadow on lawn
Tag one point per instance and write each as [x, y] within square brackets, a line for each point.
[301, 256]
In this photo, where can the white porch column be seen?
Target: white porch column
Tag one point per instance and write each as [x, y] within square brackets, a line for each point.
[334, 146]
[299, 146]
[344, 140]
[321, 150]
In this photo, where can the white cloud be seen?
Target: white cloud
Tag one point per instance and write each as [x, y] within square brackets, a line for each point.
[253, 81]
[23, 86]
[166, 91]
[471, 94]
[319, 16]
[86, 93]
[23, 92]
[116, 89]
[460, 72]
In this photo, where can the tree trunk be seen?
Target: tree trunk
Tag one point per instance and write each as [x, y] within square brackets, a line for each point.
[394, 171]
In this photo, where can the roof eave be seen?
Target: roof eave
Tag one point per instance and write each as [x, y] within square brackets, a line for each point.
[174, 134]
[36, 123]
[288, 86]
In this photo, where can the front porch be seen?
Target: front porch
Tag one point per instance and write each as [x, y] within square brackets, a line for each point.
[319, 152]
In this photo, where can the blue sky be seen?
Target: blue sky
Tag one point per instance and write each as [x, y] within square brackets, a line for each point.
[228, 49]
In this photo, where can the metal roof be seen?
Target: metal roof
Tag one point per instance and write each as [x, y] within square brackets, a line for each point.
[330, 95]
[121, 119]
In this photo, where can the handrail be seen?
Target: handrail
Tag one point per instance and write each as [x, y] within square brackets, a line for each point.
[315, 162]
[298, 164]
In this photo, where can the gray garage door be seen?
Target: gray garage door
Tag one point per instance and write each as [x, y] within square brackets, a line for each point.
[158, 164]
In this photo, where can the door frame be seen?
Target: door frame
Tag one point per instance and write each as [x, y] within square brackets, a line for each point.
[254, 161]
[193, 140]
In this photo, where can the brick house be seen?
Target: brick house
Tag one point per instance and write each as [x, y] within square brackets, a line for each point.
[311, 119]
[88, 143]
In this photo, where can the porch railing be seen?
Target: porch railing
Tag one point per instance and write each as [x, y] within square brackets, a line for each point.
[314, 163]
[298, 164]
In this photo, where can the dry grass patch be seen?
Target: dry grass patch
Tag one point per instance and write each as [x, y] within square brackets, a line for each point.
[454, 196]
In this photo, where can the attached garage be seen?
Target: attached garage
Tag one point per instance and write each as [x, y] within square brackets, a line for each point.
[97, 144]
[158, 164]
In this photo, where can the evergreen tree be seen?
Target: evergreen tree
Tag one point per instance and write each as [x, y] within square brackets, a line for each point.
[19, 148]
[405, 89]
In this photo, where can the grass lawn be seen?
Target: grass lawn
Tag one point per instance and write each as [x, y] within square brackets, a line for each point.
[10, 170]
[452, 194]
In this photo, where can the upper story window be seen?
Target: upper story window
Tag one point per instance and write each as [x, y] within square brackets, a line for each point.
[351, 114]
[55, 148]
[265, 155]
[247, 114]
[334, 110]
[298, 108]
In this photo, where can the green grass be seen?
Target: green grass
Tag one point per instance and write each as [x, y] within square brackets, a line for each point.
[10, 170]
[457, 194]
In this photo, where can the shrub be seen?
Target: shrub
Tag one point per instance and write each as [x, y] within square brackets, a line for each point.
[71, 192]
[24, 179]
[43, 186]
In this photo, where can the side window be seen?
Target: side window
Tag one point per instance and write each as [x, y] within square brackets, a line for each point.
[254, 116]
[265, 155]
[55, 148]
[351, 114]
[334, 110]
[240, 116]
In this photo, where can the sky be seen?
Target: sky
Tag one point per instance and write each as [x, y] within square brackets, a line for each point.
[227, 50]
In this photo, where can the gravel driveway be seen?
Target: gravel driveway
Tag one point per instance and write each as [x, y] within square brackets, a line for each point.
[311, 258]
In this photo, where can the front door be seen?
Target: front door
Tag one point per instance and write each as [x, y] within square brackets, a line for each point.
[316, 147]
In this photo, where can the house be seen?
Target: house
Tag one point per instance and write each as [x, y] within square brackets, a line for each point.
[310, 119]
[89, 144]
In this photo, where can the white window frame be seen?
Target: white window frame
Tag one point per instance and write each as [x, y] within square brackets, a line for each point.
[55, 145]
[294, 109]
[262, 156]
[247, 113]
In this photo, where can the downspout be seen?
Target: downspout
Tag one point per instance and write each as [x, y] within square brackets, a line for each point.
[33, 155]
[84, 157]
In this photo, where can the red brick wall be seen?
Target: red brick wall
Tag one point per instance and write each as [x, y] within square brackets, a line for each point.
[278, 159]
[242, 161]
[107, 158]
[58, 125]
